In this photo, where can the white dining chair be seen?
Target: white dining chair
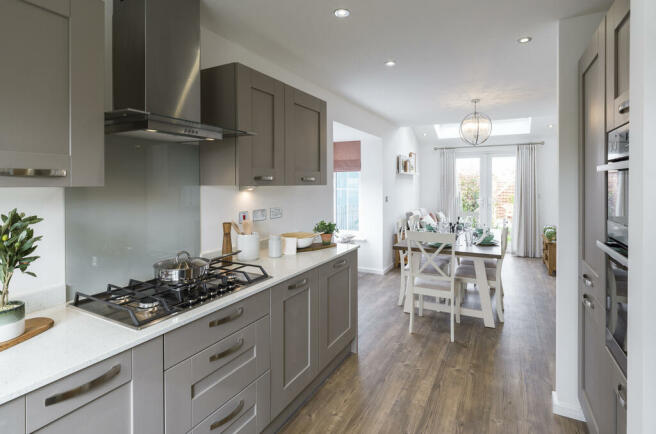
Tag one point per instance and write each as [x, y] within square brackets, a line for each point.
[414, 222]
[466, 273]
[430, 275]
[401, 229]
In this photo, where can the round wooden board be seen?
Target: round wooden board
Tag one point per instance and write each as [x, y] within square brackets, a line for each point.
[33, 327]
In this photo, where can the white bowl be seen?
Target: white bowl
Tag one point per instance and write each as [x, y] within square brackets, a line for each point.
[302, 243]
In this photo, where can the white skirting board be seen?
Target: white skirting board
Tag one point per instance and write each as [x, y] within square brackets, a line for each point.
[566, 409]
[371, 270]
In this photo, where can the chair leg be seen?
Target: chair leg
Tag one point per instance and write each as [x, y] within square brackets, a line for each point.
[421, 305]
[453, 307]
[458, 301]
[411, 296]
[403, 288]
[499, 301]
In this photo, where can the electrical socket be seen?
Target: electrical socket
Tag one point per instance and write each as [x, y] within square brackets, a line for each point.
[275, 213]
[259, 215]
[243, 215]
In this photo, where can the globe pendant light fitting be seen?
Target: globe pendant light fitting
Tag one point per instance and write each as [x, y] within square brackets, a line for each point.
[476, 127]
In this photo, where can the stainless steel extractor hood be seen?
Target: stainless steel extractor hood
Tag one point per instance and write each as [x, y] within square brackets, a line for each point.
[156, 72]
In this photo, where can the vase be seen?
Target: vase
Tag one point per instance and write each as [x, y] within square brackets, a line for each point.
[12, 320]
[326, 239]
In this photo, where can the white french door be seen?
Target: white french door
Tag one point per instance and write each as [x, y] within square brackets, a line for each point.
[486, 183]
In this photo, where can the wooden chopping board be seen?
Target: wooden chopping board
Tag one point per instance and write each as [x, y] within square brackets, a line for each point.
[33, 327]
[316, 246]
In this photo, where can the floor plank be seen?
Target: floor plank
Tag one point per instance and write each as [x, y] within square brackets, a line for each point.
[488, 381]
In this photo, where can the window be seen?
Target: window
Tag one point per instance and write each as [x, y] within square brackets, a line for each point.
[347, 200]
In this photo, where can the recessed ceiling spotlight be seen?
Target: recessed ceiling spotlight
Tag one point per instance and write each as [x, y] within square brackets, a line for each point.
[342, 13]
[524, 39]
[550, 125]
[390, 63]
[425, 134]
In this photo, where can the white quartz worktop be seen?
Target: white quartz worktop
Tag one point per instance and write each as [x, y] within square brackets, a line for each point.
[79, 339]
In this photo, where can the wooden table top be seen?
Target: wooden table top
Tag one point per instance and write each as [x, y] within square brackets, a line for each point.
[487, 252]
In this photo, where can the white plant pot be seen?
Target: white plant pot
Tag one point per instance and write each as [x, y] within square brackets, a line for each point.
[12, 330]
[12, 320]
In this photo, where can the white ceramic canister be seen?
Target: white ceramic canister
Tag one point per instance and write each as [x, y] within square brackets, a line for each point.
[249, 246]
[289, 245]
[275, 246]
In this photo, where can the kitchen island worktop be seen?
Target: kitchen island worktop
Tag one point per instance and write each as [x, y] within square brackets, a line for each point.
[79, 339]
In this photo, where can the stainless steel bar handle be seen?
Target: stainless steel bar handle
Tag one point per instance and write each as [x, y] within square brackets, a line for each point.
[340, 263]
[587, 303]
[34, 173]
[87, 387]
[308, 178]
[586, 281]
[229, 417]
[298, 285]
[624, 107]
[217, 322]
[232, 349]
[264, 178]
[621, 397]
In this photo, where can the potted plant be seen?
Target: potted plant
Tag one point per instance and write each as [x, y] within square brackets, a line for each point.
[17, 243]
[326, 230]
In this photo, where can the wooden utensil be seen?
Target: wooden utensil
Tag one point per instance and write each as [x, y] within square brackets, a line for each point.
[235, 226]
[248, 227]
[227, 239]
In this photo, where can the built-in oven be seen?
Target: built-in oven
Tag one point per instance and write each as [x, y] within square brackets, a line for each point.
[618, 144]
[617, 298]
[617, 179]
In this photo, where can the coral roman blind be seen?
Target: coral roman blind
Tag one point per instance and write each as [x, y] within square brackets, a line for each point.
[346, 156]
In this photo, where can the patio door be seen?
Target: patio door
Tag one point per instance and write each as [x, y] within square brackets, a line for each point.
[486, 183]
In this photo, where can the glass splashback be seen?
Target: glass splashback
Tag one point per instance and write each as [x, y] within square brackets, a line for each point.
[148, 210]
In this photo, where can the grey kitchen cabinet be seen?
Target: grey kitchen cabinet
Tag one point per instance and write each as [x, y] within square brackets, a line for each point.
[12, 416]
[198, 386]
[338, 292]
[618, 393]
[618, 29]
[305, 138]
[294, 338]
[51, 82]
[239, 97]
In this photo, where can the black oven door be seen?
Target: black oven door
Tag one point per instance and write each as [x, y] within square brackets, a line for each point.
[618, 206]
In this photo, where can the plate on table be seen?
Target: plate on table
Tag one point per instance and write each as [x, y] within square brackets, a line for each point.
[489, 243]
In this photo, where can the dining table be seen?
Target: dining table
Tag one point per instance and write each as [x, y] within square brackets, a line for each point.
[478, 254]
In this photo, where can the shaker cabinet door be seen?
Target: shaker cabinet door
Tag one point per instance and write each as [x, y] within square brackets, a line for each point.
[305, 138]
[260, 110]
[337, 306]
[294, 352]
[618, 29]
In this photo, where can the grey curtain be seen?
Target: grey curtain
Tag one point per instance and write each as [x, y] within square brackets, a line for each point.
[449, 198]
[525, 231]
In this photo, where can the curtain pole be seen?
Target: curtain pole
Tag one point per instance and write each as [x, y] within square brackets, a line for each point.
[437, 148]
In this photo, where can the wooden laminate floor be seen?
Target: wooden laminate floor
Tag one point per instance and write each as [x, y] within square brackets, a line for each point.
[488, 381]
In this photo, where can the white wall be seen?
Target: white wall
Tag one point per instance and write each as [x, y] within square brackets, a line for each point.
[641, 386]
[303, 206]
[573, 37]
[370, 254]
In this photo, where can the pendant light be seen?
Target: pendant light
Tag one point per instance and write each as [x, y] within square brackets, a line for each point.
[476, 127]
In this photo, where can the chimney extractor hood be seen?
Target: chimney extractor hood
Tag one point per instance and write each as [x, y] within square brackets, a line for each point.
[156, 72]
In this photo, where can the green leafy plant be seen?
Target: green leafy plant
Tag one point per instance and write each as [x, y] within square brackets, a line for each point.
[324, 227]
[17, 243]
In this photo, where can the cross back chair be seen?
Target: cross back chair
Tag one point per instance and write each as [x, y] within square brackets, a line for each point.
[401, 229]
[430, 276]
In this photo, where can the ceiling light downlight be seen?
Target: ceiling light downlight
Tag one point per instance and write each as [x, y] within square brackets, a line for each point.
[476, 127]
[342, 13]
[524, 40]
[390, 63]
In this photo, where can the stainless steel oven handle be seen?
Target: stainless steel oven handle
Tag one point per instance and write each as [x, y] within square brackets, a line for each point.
[621, 396]
[217, 322]
[586, 302]
[86, 387]
[622, 260]
[229, 417]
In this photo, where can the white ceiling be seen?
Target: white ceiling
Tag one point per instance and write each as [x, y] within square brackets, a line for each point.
[447, 51]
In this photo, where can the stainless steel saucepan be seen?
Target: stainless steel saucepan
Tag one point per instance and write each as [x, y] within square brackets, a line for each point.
[182, 268]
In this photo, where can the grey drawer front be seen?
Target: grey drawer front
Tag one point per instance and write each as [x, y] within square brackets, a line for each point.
[63, 396]
[186, 341]
[200, 385]
[247, 412]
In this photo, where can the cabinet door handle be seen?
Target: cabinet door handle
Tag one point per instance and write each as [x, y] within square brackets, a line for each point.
[298, 285]
[624, 107]
[586, 281]
[229, 417]
[586, 302]
[621, 397]
[79, 390]
[340, 263]
[263, 178]
[217, 322]
[308, 178]
[33, 173]
[232, 349]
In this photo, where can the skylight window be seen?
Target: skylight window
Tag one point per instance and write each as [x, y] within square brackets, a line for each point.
[500, 127]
